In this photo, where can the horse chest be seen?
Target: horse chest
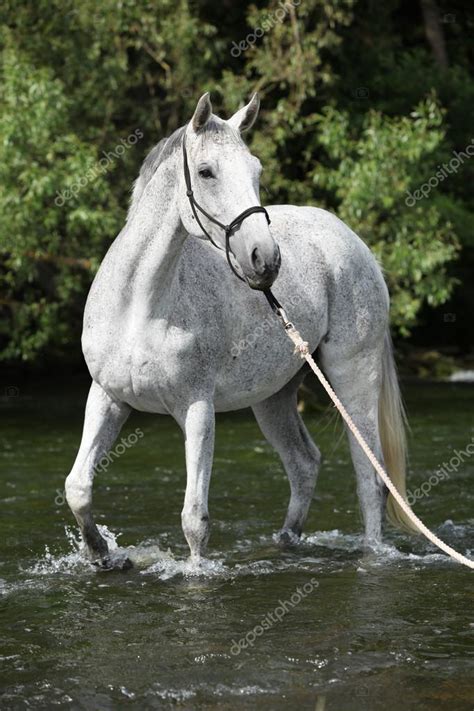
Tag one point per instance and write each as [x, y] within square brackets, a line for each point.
[162, 368]
[148, 371]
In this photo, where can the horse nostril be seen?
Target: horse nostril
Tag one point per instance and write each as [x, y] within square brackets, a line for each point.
[257, 262]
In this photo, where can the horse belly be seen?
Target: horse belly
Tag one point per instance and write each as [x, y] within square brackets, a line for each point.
[256, 373]
[262, 359]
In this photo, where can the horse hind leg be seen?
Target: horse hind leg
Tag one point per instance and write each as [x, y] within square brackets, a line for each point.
[103, 420]
[357, 383]
[284, 429]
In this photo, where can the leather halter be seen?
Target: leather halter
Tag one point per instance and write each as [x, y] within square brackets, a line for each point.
[228, 229]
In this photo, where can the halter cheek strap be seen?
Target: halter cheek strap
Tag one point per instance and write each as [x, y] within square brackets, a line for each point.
[228, 229]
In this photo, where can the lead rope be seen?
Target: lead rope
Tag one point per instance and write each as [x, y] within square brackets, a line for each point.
[302, 347]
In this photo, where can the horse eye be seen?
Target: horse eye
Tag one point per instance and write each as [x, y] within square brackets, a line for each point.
[206, 173]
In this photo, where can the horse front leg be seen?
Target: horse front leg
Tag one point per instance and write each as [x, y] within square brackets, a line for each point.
[198, 423]
[103, 420]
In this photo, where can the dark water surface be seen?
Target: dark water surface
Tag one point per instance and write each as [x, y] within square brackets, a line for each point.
[390, 630]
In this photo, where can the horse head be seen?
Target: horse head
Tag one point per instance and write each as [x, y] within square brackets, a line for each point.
[219, 194]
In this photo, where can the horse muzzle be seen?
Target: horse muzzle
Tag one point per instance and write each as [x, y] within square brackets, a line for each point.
[264, 266]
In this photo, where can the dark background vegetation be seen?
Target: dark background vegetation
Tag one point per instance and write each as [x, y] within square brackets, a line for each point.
[362, 101]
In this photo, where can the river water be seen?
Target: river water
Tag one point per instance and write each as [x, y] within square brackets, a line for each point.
[325, 626]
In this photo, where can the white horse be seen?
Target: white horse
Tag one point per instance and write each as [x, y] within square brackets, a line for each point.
[166, 318]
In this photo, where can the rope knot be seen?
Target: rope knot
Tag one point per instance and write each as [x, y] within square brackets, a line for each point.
[302, 348]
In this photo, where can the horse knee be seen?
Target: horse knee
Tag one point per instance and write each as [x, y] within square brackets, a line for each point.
[78, 494]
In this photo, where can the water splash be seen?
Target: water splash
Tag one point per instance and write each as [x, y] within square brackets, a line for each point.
[75, 560]
[262, 556]
[388, 552]
[335, 540]
[169, 567]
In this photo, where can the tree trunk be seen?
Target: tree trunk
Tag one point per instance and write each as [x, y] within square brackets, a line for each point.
[434, 32]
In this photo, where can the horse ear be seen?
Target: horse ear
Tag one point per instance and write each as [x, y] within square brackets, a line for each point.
[244, 118]
[202, 113]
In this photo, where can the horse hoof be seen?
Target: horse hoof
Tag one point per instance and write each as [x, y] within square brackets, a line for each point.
[287, 539]
[109, 563]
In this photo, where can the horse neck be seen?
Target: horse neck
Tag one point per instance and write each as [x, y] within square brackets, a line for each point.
[152, 242]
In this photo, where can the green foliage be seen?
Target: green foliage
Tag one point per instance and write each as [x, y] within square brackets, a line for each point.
[290, 68]
[41, 244]
[338, 84]
[371, 171]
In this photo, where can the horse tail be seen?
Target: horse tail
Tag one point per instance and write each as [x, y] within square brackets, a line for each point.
[392, 422]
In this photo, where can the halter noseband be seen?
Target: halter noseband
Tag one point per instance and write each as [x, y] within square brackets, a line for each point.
[228, 229]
